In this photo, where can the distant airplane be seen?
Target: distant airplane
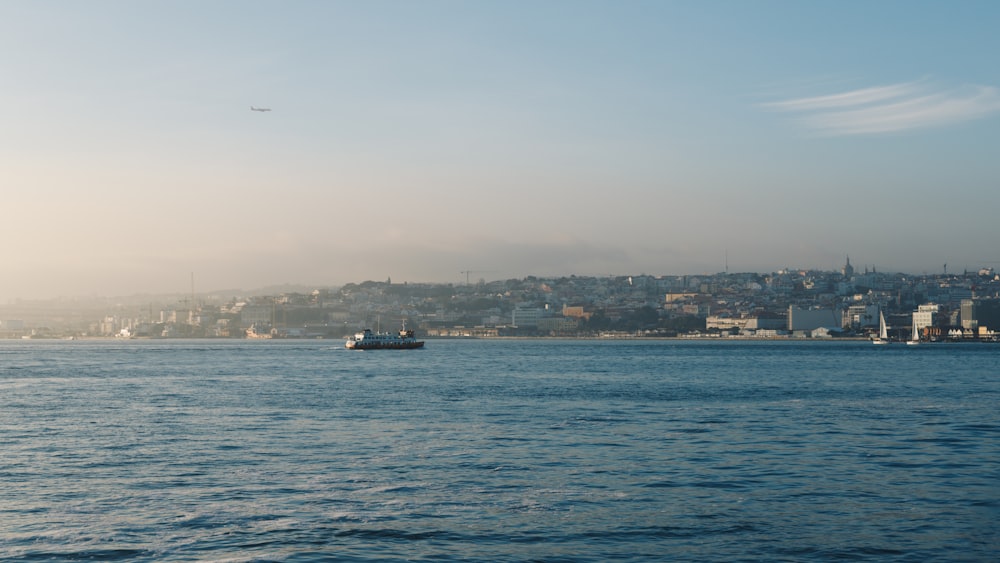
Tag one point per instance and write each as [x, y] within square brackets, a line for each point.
[259, 109]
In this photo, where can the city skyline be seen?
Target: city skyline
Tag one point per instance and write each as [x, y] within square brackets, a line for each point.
[435, 141]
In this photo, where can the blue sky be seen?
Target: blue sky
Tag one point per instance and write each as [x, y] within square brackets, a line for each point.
[416, 140]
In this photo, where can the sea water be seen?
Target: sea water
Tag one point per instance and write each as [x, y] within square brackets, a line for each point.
[499, 450]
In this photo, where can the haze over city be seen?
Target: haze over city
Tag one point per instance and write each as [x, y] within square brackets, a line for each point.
[419, 141]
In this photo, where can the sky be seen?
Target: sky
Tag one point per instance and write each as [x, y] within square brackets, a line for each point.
[440, 140]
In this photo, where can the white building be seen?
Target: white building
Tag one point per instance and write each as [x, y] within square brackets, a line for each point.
[924, 315]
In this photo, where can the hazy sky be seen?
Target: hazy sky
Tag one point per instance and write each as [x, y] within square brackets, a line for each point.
[420, 139]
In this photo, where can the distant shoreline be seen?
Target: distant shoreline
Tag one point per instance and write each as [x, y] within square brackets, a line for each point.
[503, 338]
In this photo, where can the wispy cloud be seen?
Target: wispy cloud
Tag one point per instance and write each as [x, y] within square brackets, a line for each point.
[896, 107]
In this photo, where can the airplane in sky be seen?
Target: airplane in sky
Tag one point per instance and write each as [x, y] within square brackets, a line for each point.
[259, 109]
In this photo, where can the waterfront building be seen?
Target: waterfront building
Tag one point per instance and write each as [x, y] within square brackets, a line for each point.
[861, 315]
[800, 319]
[558, 325]
[744, 323]
[980, 312]
[924, 315]
[525, 316]
[259, 314]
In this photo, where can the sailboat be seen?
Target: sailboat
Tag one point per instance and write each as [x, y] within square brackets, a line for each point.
[915, 339]
[883, 330]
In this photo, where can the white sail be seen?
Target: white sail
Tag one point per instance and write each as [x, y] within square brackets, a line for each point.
[915, 338]
[883, 330]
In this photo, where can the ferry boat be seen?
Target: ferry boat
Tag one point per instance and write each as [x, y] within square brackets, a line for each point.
[368, 340]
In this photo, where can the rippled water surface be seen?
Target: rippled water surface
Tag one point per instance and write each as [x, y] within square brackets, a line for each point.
[499, 451]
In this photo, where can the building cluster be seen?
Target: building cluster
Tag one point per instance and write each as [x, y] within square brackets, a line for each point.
[787, 303]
